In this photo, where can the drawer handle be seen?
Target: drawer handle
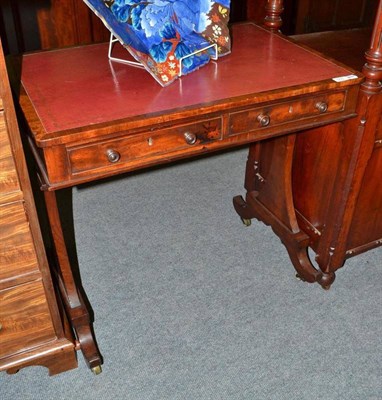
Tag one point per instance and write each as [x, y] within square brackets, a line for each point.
[264, 119]
[322, 106]
[112, 155]
[190, 138]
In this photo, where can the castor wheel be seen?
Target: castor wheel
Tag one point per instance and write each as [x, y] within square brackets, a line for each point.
[246, 221]
[97, 370]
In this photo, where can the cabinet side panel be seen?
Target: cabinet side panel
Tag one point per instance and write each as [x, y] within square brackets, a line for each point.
[316, 159]
[367, 220]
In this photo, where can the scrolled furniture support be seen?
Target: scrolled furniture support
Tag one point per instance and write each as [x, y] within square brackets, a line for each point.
[270, 200]
[74, 304]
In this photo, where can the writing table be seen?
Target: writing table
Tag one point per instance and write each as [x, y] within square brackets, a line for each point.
[90, 118]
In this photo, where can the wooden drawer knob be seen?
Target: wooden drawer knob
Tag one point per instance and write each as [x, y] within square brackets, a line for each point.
[190, 138]
[322, 106]
[264, 120]
[112, 155]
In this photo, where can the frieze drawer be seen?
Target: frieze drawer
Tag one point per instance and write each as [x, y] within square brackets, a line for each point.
[126, 149]
[276, 114]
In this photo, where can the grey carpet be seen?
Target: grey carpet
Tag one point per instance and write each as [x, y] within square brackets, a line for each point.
[190, 304]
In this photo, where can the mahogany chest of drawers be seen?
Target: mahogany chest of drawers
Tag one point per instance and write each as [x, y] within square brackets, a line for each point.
[31, 327]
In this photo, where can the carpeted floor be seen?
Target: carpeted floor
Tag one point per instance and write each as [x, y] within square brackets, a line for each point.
[190, 304]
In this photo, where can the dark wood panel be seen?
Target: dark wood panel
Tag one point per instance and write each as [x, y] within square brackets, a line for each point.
[317, 156]
[367, 221]
[47, 24]
[326, 15]
[347, 46]
[66, 23]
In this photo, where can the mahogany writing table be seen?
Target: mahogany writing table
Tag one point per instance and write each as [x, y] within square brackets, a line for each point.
[90, 118]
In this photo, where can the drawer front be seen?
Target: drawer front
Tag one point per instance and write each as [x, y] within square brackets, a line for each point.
[277, 114]
[145, 145]
[25, 319]
[17, 253]
[9, 182]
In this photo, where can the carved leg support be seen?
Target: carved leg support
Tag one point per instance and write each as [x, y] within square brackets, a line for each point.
[270, 200]
[295, 243]
[74, 304]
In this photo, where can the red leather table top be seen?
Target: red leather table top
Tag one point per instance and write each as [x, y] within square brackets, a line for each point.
[79, 86]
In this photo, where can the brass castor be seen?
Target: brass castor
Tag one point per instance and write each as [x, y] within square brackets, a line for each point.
[246, 222]
[97, 370]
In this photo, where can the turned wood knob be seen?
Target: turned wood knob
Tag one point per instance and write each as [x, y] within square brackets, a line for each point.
[112, 155]
[322, 106]
[264, 119]
[190, 138]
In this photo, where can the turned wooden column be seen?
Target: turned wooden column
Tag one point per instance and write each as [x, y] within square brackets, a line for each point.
[273, 9]
[373, 67]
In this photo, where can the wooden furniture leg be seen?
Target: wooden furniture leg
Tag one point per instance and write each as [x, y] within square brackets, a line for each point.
[73, 300]
[269, 199]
